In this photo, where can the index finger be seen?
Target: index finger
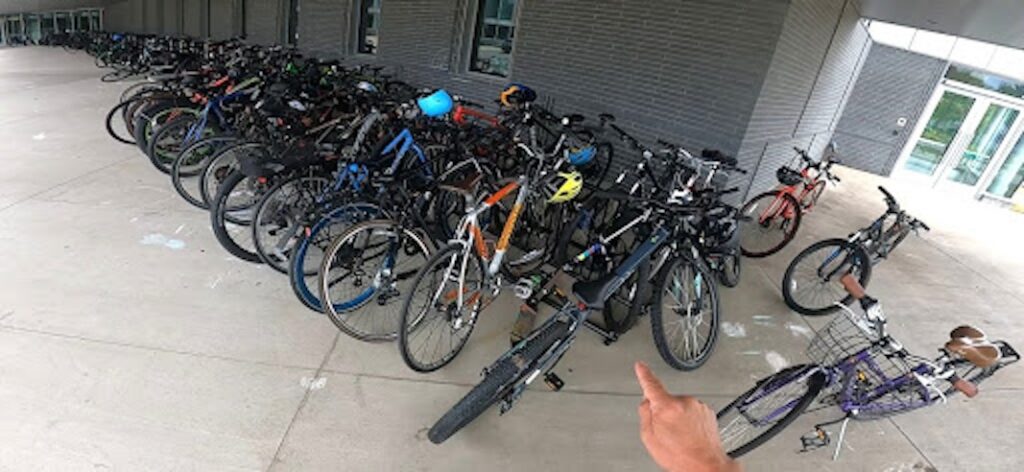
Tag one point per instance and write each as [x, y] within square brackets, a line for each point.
[652, 387]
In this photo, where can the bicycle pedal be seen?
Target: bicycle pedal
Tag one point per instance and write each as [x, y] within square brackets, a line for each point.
[553, 381]
[817, 439]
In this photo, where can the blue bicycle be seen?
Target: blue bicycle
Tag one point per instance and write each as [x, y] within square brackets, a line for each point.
[864, 372]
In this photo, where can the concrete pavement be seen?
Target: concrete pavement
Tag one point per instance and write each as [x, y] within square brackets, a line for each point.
[121, 354]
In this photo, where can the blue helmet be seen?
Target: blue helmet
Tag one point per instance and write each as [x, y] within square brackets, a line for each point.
[581, 156]
[435, 104]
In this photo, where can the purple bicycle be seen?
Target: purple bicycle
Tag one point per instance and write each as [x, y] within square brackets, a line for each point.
[863, 372]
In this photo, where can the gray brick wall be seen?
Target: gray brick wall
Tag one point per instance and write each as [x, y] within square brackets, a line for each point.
[263, 21]
[223, 18]
[893, 84]
[324, 26]
[820, 51]
[118, 17]
[153, 10]
[171, 17]
[193, 17]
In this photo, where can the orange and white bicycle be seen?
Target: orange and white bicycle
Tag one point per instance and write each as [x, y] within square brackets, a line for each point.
[441, 308]
[770, 219]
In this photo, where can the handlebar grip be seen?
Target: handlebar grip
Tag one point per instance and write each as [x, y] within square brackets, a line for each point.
[965, 387]
[888, 196]
[923, 225]
[742, 171]
[853, 286]
[729, 190]
[836, 178]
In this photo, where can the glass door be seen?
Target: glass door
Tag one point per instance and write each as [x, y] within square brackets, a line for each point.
[1006, 184]
[964, 138]
[939, 134]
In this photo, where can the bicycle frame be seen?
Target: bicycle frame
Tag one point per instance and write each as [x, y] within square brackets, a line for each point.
[578, 315]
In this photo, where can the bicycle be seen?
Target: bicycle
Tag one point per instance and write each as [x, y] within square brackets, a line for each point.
[864, 372]
[507, 378]
[810, 284]
[778, 212]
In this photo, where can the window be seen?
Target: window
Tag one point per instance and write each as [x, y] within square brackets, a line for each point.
[985, 80]
[369, 26]
[492, 39]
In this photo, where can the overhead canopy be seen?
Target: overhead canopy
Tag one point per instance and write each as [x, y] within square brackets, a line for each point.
[994, 21]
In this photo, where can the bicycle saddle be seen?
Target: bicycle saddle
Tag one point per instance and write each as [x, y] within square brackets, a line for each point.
[971, 344]
[593, 293]
[464, 186]
[718, 156]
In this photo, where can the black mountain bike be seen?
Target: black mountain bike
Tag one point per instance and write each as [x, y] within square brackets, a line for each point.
[811, 284]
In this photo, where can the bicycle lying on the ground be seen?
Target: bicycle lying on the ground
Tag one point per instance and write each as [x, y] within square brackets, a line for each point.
[811, 285]
[773, 217]
[864, 372]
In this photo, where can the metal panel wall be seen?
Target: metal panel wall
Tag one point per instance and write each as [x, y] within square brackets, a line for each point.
[894, 84]
[818, 56]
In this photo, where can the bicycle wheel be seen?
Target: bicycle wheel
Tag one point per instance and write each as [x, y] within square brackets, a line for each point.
[222, 164]
[684, 316]
[168, 141]
[729, 269]
[118, 110]
[768, 223]
[500, 379]
[238, 196]
[374, 261]
[765, 410]
[623, 309]
[811, 284]
[305, 260]
[279, 218]
[188, 167]
[440, 309]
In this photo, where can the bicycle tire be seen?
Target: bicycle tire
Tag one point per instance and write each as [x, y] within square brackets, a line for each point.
[658, 317]
[635, 295]
[793, 226]
[498, 381]
[788, 283]
[162, 158]
[815, 383]
[117, 109]
[322, 230]
[729, 269]
[279, 261]
[218, 221]
[186, 157]
[343, 314]
[410, 321]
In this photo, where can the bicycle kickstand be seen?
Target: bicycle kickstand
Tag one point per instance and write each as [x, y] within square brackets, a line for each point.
[842, 435]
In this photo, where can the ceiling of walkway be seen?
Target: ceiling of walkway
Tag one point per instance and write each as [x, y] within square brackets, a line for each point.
[994, 21]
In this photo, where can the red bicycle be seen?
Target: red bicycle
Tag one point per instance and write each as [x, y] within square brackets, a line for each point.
[770, 220]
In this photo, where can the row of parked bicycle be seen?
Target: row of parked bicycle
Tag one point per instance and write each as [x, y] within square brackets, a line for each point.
[401, 213]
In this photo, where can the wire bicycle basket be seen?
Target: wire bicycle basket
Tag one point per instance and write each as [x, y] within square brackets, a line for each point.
[879, 380]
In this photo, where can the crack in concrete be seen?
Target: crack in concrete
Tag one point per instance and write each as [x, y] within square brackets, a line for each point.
[302, 404]
[66, 182]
